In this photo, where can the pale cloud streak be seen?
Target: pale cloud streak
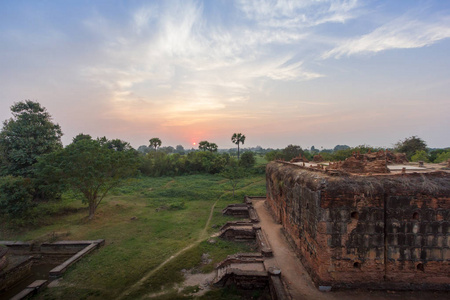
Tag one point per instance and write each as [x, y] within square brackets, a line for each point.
[297, 14]
[192, 65]
[401, 33]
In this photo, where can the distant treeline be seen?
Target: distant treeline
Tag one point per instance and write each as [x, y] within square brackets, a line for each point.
[159, 163]
[414, 148]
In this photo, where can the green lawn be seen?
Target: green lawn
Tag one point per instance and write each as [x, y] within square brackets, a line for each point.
[144, 223]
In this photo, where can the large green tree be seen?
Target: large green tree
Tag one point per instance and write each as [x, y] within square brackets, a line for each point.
[238, 138]
[29, 134]
[90, 168]
[410, 146]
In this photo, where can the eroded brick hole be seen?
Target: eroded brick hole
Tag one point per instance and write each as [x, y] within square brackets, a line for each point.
[420, 267]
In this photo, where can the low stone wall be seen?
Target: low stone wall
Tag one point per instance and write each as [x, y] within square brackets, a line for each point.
[32, 289]
[73, 250]
[14, 273]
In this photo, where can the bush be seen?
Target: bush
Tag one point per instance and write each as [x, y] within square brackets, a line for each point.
[433, 154]
[247, 160]
[16, 196]
[341, 155]
[442, 157]
[273, 155]
[420, 155]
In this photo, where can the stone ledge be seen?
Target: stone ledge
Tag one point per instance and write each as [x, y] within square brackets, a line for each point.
[59, 270]
[31, 290]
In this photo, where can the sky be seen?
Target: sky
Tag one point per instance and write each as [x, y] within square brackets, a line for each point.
[283, 72]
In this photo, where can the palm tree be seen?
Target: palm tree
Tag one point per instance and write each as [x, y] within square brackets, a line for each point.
[212, 147]
[155, 142]
[238, 138]
[203, 145]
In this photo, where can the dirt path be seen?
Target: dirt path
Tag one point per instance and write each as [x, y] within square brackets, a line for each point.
[201, 237]
[297, 280]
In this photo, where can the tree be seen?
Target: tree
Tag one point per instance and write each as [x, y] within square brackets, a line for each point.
[212, 147]
[207, 146]
[340, 147]
[434, 154]
[273, 155]
[167, 150]
[80, 137]
[143, 149]
[29, 134]
[420, 155]
[314, 150]
[179, 149]
[233, 172]
[155, 143]
[89, 168]
[16, 196]
[203, 145]
[292, 151]
[442, 157]
[247, 160]
[238, 138]
[410, 145]
[118, 145]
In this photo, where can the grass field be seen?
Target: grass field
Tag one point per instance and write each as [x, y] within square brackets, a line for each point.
[145, 223]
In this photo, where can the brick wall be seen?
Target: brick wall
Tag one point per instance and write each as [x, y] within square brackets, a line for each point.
[377, 231]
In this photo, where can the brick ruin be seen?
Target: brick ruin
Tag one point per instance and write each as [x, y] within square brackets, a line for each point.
[375, 231]
[248, 270]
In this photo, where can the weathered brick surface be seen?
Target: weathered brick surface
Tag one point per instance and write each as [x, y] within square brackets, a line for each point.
[379, 231]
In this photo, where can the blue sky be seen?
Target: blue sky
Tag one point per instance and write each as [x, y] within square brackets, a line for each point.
[281, 72]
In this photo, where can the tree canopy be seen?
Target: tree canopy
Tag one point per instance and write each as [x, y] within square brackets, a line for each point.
[207, 146]
[29, 134]
[155, 143]
[292, 151]
[247, 160]
[90, 168]
[410, 146]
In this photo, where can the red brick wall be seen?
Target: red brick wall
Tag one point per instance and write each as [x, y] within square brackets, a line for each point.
[378, 231]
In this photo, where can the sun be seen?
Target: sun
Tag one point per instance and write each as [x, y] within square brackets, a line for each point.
[194, 143]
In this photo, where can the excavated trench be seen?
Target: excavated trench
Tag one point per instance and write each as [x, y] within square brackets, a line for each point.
[248, 271]
[27, 267]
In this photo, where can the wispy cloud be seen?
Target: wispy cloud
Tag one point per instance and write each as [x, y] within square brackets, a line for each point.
[401, 33]
[289, 14]
[191, 65]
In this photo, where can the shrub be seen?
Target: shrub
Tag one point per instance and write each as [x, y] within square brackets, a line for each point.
[16, 196]
[442, 157]
[247, 160]
[420, 155]
[273, 155]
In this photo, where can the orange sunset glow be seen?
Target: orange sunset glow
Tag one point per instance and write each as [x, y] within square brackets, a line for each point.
[282, 72]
